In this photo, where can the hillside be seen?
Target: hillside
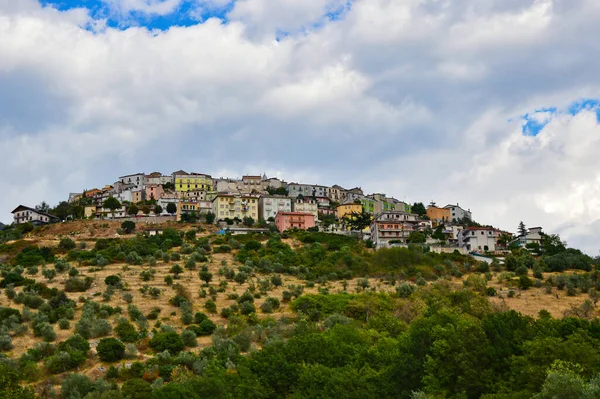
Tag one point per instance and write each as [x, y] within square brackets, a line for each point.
[234, 302]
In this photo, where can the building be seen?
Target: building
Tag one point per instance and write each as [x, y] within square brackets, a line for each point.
[138, 195]
[251, 184]
[165, 201]
[137, 179]
[354, 194]
[192, 206]
[457, 213]
[377, 203]
[478, 239]
[294, 220]
[306, 205]
[338, 193]
[158, 178]
[154, 191]
[346, 209]
[307, 190]
[438, 215]
[393, 227]
[533, 236]
[273, 182]
[235, 205]
[223, 185]
[25, 214]
[91, 193]
[192, 181]
[98, 212]
[270, 205]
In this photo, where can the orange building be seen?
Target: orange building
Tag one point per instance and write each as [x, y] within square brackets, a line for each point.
[438, 214]
[294, 220]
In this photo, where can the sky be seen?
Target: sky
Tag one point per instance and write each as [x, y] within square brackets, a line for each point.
[493, 104]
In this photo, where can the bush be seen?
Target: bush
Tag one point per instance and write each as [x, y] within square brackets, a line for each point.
[136, 389]
[76, 386]
[64, 324]
[170, 341]
[210, 306]
[110, 350]
[5, 342]
[525, 283]
[112, 280]
[206, 327]
[126, 331]
[66, 244]
[78, 284]
[189, 338]
[128, 226]
[405, 290]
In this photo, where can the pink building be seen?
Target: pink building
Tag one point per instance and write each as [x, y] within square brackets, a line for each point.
[154, 191]
[294, 220]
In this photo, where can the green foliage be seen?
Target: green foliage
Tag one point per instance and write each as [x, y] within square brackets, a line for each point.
[110, 350]
[170, 341]
[128, 226]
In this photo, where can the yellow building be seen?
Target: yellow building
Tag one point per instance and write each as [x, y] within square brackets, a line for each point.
[235, 205]
[346, 209]
[193, 206]
[193, 182]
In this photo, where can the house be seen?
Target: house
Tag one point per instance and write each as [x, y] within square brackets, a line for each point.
[273, 182]
[307, 190]
[478, 239]
[98, 212]
[457, 213]
[165, 200]
[91, 193]
[224, 185]
[533, 236]
[235, 205]
[158, 178]
[192, 206]
[74, 197]
[250, 184]
[347, 208]
[154, 191]
[393, 227]
[438, 215]
[138, 195]
[354, 194]
[125, 196]
[137, 179]
[270, 205]
[294, 220]
[192, 181]
[25, 214]
[338, 193]
[306, 205]
[377, 203]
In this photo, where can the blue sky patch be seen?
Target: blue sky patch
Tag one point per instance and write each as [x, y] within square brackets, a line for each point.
[187, 13]
[534, 122]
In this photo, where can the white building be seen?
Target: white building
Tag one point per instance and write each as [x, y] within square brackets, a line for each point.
[533, 236]
[458, 213]
[137, 179]
[270, 205]
[478, 239]
[25, 214]
[165, 201]
[125, 196]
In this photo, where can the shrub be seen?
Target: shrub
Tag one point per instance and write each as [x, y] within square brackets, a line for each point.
[76, 386]
[128, 226]
[64, 324]
[405, 290]
[126, 331]
[136, 389]
[112, 280]
[66, 244]
[189, 338]
[78, 284]
[525, 282]
[5, 342]
[206, 327]
[210, 306]
[110, 350]
[170, 341]
[247, 308]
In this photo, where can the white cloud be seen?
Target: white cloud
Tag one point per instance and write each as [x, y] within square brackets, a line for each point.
[418, 99]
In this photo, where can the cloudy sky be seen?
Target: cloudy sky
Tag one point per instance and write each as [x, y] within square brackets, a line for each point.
[491, 103]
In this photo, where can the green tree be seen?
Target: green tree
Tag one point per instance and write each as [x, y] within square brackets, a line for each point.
[146, 210]
[136, 389]
[133, 210]
[522, 229]
[110, 350]
[128, 226]
[419, 209]
[416, 237]
[170, 341]
[358, 221]
[248, 221]
[210, 217]
[552, 244]
[113, 204]
[158, 210]
[171, 208]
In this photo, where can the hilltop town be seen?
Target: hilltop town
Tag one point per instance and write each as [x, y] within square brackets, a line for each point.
[259, 203]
